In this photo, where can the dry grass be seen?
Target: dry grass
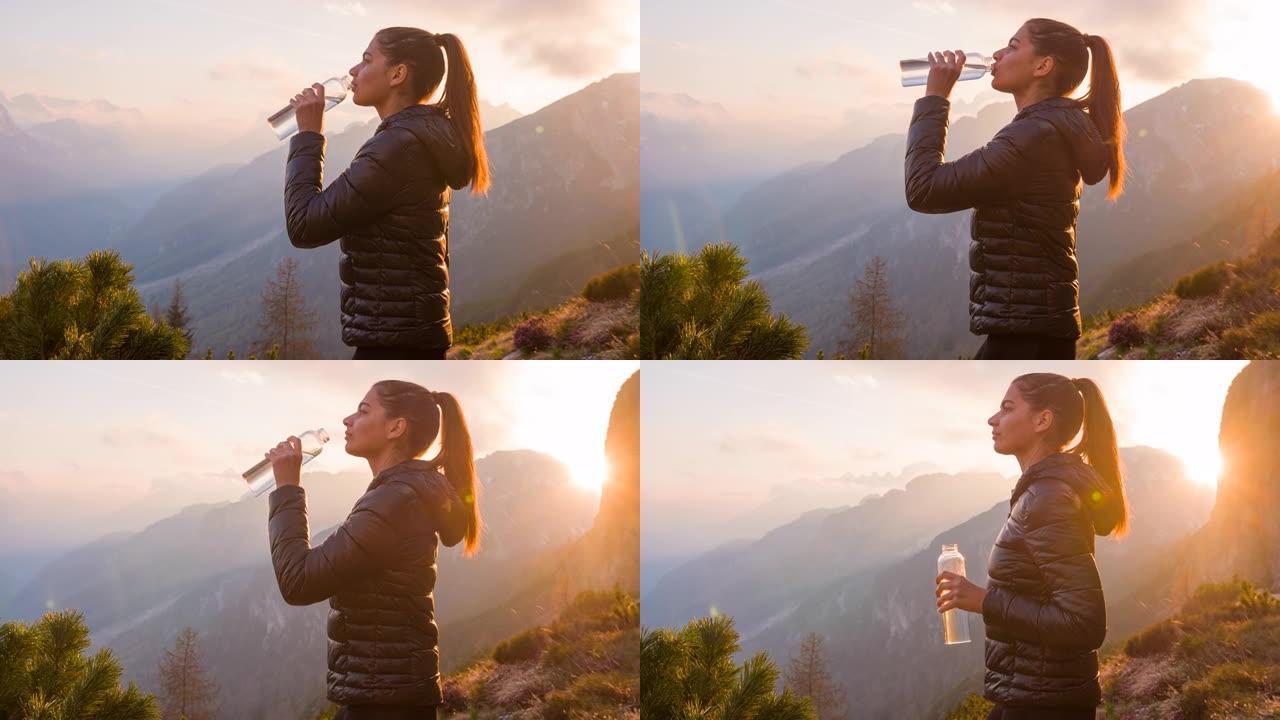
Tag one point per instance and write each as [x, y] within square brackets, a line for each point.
[583, 330]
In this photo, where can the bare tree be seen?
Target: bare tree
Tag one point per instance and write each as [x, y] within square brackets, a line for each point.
[807, 676]
[187, 693]
[875, 324]
[177, 314]
[286, 321]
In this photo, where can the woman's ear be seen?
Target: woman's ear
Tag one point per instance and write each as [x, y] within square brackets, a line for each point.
[1043, 67]
[399, 75]
[1043, 421]
[397, 429]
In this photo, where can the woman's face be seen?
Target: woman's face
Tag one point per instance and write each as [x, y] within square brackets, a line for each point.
[1017, 65]
[373, 79]
[1017, 427]
[369, 430]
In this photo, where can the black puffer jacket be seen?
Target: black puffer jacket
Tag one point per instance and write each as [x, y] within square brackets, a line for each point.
[377, 570]
[1044, 612]
[1025, 186]
[391, 211]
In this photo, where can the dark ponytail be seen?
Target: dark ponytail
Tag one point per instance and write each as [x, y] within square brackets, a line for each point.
[428, 415]
[457, 460]
[421, 52]
[1078, 407]
[463, 105]
[1071, 51]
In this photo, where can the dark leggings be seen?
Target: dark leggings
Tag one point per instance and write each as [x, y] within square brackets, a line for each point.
[1032, 713]
[378, 712]
[1026, 347]
[399, 353]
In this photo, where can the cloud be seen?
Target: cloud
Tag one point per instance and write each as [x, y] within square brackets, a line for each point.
[861, 381]
[573, 39]
[934, 7]
[836, 64]
[243, 377]
[759, 443]
[346, 9]
[1158, 41]
[256, 70]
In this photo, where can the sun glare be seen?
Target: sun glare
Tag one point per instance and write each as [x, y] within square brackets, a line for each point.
[555, 426]
[1242, 47]
[1181, 415]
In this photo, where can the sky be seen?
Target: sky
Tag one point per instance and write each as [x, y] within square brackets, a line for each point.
[233, 62]
[811, 65]
[84, 439]
[721, 440]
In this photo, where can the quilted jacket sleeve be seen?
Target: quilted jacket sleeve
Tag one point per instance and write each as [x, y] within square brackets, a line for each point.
[1058, 536]
[365, 191]
[364, 543]
[985, 175]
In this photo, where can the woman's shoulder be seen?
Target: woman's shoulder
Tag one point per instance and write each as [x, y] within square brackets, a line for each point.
[1050, 498]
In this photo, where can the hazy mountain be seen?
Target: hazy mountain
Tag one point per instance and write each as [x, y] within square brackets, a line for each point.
[563, 199]
[1193, 152]
[883, 632]
[760, 582]
[209, 567]
[117, 579]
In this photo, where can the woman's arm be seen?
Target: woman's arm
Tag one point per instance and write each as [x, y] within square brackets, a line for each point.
[988, 174]
[356, 549]
[1059, 538]
[315, 217]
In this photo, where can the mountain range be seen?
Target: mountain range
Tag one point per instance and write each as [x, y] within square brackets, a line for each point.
[1198, 157]
[208, 567]
[866, 583]
[561, 208]
[546, 540]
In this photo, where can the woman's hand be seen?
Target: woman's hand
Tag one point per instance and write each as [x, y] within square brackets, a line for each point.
[956, 592]
[944, 71]
[286, 462]
[309, 107]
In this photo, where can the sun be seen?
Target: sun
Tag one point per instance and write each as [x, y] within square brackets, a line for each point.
[1241, 44]
[1178, 409]
[569, 427]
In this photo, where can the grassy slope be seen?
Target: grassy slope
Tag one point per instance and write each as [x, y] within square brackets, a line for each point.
[579, 329]
[1217, 659]
[1222, 311]
[584, 664]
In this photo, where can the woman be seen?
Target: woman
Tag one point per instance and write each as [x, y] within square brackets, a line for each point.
[1024, 291]
[1043, 605]
[378, 569]
[391, 207]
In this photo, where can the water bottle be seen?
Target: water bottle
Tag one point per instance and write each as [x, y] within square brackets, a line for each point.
[955, 626]
[260, 477]
[285, 122]
[916, 71]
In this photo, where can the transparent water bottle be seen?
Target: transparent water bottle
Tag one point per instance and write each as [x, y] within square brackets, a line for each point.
[285, 122]
[260, 477]
[955, 626]
[915, 71]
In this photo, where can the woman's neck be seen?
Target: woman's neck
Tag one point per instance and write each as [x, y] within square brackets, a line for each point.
[1030, 96]
[387, 458]
[391, 106]
[1034, 455]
